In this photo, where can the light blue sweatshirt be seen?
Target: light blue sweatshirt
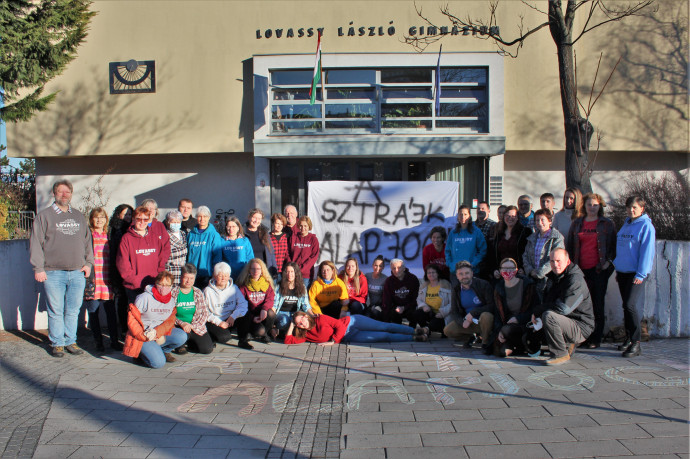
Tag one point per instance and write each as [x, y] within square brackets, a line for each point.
[204, 249]
[463, 245]
[635, 247]
[237, 253]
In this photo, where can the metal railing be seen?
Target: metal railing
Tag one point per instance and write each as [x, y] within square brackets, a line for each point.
[19, 223]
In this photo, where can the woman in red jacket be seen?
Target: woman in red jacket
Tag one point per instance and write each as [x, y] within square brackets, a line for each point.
[304, 249]
[357, 286]
[144, 251]
[256, 284]
[326, 330]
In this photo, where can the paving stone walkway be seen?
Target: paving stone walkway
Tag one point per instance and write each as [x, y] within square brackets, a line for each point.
[378, 401]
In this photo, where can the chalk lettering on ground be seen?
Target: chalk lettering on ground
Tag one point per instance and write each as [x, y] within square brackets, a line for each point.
[584, 381]
[616, 374]
[357, 390]
[225, 365]
[257, 394]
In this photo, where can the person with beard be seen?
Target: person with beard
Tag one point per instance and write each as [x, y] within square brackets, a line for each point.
[61, 254]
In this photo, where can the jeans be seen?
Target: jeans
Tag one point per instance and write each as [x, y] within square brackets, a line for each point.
[283, 319]
[597, 283]
[633, 298]
[64, 294]
[363, 329]
[95, 320]
[355, 307]
[153, 354]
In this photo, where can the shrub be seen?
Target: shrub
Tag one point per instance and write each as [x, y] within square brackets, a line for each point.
[668, 203]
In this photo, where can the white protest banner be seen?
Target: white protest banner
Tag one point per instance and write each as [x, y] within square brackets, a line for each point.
[365, 219]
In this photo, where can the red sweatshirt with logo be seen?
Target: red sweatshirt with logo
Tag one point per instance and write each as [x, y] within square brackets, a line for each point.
[141, 258]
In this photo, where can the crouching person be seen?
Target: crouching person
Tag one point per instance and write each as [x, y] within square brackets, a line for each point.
[227, 307]
[192, 312]
[567, 314]
[151, 334]
[471, 307]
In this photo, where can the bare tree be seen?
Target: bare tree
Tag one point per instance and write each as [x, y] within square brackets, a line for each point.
[565, 33]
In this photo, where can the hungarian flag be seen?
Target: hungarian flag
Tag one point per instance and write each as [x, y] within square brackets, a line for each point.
[317, 73]
[437, 84]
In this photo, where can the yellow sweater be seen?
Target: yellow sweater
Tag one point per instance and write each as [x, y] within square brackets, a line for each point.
[322, 294]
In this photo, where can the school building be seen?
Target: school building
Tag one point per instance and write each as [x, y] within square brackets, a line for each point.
[210, 100]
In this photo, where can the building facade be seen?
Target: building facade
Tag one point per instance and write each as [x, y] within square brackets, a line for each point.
[210, 100]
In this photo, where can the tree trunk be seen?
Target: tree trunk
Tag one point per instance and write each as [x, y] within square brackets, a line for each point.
[578, 130]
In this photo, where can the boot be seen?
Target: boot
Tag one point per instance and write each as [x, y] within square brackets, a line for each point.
[634, 350]
[626, 344]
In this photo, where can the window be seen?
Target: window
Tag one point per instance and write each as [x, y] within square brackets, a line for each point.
[385, 100]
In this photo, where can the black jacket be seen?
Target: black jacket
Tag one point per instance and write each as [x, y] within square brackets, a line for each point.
[568, 295]
[484, 292]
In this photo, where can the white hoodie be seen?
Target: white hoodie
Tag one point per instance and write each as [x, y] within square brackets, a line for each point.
[224, 303]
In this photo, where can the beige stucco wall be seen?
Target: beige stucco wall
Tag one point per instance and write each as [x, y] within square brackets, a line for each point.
[203, 100]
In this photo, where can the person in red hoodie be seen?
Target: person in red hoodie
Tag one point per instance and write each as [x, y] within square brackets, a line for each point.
[304, 248]
[144, 251]
[256, 284]
[326, 330]
[357, 286]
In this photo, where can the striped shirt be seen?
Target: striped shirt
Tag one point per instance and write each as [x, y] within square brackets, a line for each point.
[101, 257]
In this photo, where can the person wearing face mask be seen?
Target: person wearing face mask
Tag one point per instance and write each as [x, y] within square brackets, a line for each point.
[375, 282]
[592, 246]
[142, 254]
[465, 242]
[151, 334]
[514, 299]
[572, 199]
[178, 245]
[436, 251]
[539, 245]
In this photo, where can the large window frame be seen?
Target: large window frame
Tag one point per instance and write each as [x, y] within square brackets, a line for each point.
[391, 107]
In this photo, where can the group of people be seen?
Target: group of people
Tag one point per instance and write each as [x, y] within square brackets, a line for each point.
[181, 285]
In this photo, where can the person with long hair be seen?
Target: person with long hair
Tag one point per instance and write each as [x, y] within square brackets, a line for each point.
[204, 246]
[328, 293]
[592, 246]
[280, 240]
[143, 254]
[436, 251]
[509, 242]
[256, 284]
[375, 282]
[357, 287]
[118, 225]
[465, 242]
[571, 210]
[151, 334]
[326, 330]
[304, 248]
[540, 244]
[259, 236]
[98, 293]
[237, 249]
[191, 312]
[178, 245]
[291, 297]
[635, 252]
[434, 300]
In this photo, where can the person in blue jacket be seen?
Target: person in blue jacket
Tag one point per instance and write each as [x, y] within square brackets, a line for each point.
[237, 248]
[465, 242]
[635, 247]
[204, 247]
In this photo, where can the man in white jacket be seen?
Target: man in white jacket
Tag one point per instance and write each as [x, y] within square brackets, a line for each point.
[227, 307]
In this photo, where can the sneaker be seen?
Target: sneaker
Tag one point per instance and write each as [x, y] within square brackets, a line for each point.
[626, 344]
[182, 350]
[74, 349]
[169, 358]
[58, 351]
[245, 345]
[558, 360]
[470, 342]
[421, 331]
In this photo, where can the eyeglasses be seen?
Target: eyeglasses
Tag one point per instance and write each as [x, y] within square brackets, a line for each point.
[141, 219]
[164, 285]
